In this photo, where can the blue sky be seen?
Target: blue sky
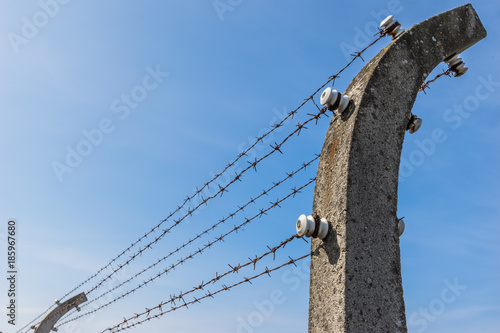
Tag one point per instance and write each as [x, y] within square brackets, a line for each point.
[206, 81]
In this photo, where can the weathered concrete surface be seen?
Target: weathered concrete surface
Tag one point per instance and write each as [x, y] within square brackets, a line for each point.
[51, 319]
[356, 272]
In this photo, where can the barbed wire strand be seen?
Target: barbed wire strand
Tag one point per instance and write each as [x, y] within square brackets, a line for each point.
[199, 251]
[222, 189]
[237, 177]
[188, 199]
[229, 165]
[426, 84]
[276, 147]
[355, 55]
[180, 297]
[223, 220]
[333, 77]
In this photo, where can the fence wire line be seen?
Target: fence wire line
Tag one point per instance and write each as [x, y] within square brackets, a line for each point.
[222, 189]
[223, 220]
[180, 298]
[427, 83]
[188, 199]
[237, 177]
[332, 78]
[199, 251]
[355, 55]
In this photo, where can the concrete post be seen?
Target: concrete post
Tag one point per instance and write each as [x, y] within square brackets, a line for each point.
[356, 271]
[51, 319]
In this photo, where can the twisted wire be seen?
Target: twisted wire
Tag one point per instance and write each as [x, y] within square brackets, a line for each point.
[252, 165]
[120, 327]
[222, 189]
[426, 84]
[289, 115]
[192, 255]
[223, 220]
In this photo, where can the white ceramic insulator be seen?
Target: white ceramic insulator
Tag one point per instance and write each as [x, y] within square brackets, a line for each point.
[305, 225]
[462, 71]
[401, 227]
[459, 67]
[311, 225]
[323, 228]
[454, 61]
[415, 125]
[325, 96]
[400, 31]
[328, 96]
[344, 101]
[450, 59]
[387, 21]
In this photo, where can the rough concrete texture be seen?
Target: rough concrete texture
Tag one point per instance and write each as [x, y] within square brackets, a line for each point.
[51, 319]
[355, 271]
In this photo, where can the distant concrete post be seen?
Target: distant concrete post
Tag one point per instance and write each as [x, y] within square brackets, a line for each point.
[356, 271]
[51, 319]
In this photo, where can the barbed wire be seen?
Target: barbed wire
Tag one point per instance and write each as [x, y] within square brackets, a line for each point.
[275, 148]
[426, 84]
[223, 220]
[223, 189]
[195, 253]
[198, 192]
[201, 286]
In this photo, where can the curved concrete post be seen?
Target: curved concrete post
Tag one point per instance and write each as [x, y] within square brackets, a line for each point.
[51, 319]
[356, 272]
